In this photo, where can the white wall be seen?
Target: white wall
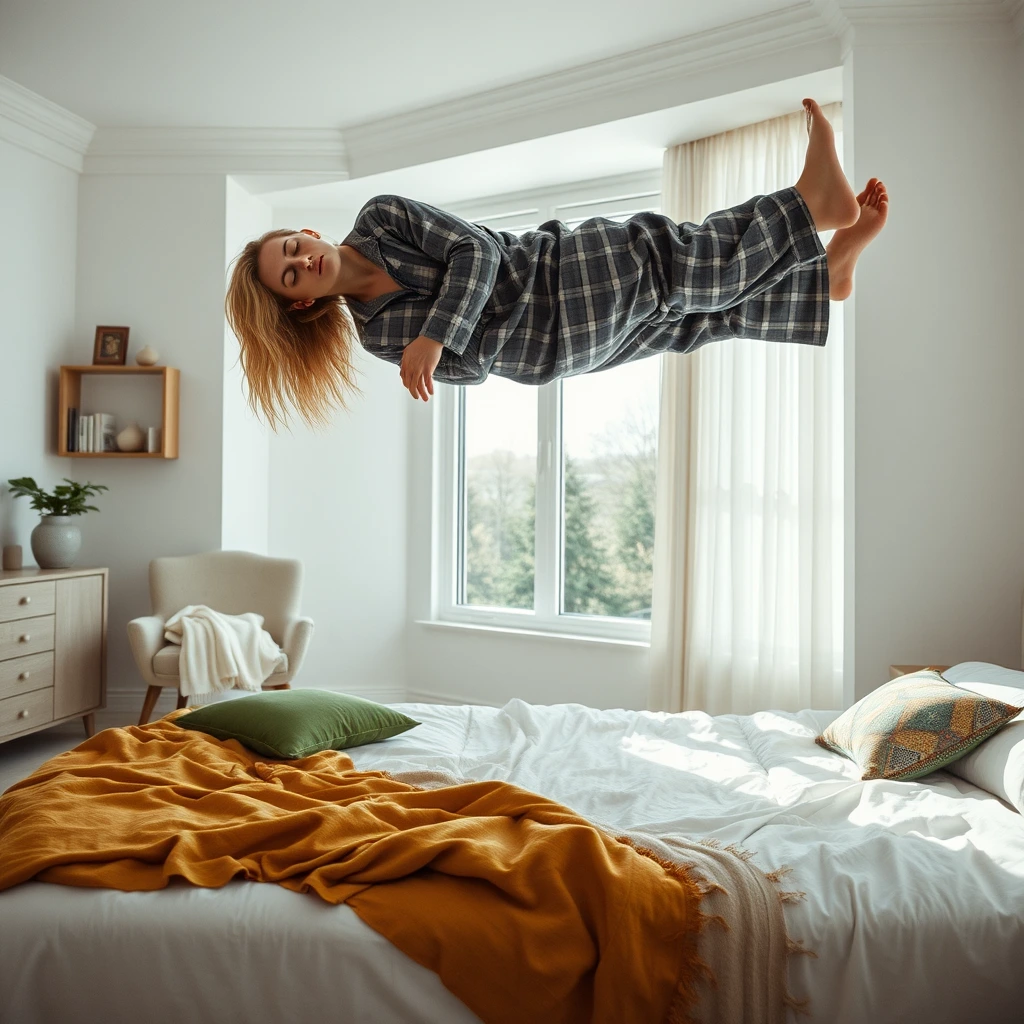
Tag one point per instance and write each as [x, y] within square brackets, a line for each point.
[151, 256]
[938, 419]
[38, 225]
[245, 479]
[338, 502]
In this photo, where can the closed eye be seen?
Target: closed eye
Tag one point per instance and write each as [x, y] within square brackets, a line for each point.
[290, 276]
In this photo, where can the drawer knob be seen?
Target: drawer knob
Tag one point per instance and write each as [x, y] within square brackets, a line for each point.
[23, 713]
[24, 675]
[24, 638]
[25, 600]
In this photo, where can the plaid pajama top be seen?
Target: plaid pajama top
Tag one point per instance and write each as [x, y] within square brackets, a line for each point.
[553, 302]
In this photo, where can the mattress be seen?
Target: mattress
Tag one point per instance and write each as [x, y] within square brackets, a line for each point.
[913, 892]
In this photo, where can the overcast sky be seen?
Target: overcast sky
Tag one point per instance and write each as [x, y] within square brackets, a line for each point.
[502, 415]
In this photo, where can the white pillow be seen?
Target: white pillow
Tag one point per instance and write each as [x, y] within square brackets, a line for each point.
[997, 764]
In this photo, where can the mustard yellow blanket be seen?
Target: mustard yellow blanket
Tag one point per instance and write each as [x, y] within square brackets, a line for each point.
[525, 910]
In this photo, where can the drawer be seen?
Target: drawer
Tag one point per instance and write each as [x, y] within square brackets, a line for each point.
[19, 675]
[26, 636]
[27, 711]
[27, 600]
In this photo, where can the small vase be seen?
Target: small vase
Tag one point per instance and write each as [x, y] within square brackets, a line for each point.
[131, 439]
[55, 542]
[147, 356]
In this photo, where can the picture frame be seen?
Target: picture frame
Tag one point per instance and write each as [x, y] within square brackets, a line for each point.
[110, 347]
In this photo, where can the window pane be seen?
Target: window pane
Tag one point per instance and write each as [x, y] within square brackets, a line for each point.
[619, 215]
[609, 435]
[498, 494]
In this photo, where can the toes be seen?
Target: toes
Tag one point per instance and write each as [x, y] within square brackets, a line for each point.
[867, 197]
[813, 111]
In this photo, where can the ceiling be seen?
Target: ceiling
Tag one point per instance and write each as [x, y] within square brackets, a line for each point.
[336, 64]
[318, 63]
[620, 147]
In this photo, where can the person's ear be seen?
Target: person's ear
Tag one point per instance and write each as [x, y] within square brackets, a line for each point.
[310, 231]
[300, 304]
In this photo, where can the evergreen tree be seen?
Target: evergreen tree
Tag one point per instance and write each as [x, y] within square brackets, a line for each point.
[589, 587]
[482, 565]
[634, 529]
[499, 534]
[517, 567]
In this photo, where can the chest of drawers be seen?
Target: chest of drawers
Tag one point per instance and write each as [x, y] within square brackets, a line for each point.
[53, 648]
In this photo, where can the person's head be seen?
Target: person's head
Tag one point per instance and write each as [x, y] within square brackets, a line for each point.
[296, 338]
[299, 267]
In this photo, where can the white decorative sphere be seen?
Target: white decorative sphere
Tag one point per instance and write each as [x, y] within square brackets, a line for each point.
[131, 439]
[147, 356]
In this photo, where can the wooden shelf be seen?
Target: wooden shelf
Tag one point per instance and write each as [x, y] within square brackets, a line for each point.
[70, 396]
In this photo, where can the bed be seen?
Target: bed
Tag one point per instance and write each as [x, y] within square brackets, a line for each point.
[907, 896]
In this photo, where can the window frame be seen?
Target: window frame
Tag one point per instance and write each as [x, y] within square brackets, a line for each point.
[603, 197]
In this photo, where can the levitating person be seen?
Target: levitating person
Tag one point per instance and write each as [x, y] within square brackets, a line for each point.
[453, 301]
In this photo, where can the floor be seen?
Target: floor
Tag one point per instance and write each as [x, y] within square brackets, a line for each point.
[24, 755]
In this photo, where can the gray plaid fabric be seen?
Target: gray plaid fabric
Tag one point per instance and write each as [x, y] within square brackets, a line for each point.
[552, 303]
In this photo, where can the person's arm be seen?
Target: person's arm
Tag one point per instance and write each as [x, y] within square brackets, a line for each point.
[470, 256]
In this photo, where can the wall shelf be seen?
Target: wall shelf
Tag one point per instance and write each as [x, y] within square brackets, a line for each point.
[70, 396]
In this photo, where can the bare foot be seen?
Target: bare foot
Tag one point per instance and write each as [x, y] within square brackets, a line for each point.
[848, 243]
[822, 183]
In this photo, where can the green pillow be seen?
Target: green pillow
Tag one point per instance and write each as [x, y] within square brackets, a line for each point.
[914, 725]
[295, 723]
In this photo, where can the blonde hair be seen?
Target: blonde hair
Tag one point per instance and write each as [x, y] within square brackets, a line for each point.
[300, 358]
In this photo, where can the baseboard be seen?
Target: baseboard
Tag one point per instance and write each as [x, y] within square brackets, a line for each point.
[433, 697]
[124, 706]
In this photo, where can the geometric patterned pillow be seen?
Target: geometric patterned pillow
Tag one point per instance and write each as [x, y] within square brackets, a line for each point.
[914, 725]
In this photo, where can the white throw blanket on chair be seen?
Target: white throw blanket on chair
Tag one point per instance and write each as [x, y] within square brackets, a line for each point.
[221, 652]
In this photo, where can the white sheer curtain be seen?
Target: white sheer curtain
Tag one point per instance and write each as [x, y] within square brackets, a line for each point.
[748, 551]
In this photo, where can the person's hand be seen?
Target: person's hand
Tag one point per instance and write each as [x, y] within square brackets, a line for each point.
[419, 361]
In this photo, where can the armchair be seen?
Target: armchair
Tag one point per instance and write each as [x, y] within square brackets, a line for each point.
[231, 582]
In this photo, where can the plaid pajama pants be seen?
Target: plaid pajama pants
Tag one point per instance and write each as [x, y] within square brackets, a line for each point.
[556, 302]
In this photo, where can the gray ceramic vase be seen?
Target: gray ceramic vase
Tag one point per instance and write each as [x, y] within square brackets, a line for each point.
[55, 542]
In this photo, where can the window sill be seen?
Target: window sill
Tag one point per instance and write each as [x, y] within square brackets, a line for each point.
[533, 633]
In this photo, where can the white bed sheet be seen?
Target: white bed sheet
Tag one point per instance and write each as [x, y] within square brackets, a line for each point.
[914, 890]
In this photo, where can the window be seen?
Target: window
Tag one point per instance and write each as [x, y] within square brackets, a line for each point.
[548, 493]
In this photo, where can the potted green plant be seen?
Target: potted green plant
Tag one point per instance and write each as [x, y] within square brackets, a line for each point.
[56, 540]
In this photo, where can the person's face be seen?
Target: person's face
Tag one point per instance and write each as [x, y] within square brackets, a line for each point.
[301, 267]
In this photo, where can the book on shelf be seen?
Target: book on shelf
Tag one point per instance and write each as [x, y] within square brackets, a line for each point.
[83, 422]
[106, 432]
[71, 443]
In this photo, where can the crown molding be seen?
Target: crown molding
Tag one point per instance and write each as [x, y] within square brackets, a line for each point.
[603, 85]
[957, 12]
[614, 87]
[1015, 12]
[44, 128]
[307, 154]
[832, 16]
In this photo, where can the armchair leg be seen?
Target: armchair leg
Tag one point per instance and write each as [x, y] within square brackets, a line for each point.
[149, 703]
[182, 700]
[280, 686]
